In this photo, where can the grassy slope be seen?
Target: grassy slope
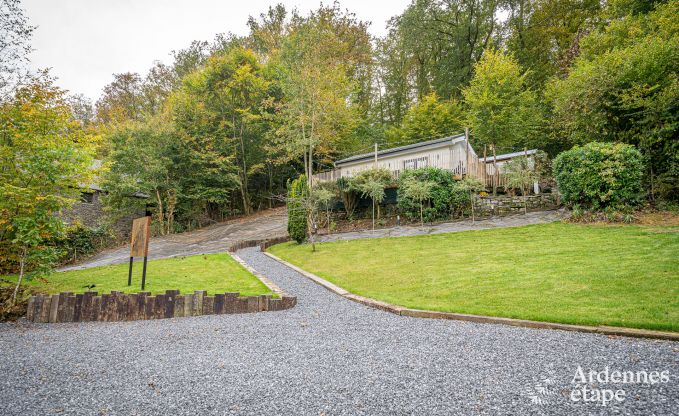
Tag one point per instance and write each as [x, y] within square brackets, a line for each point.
[216, 273]
[581, 274]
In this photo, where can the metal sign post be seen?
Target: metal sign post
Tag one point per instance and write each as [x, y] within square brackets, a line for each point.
[141, 233]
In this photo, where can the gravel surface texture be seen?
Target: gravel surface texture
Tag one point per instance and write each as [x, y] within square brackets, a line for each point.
[327, 355]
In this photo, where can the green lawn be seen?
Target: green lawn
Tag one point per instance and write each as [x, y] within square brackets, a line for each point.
[216, 273]
[579, 274]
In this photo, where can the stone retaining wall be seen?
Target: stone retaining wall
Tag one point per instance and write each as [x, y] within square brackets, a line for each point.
[118, 306]
[262, 244]
[91, 214]
[505, 205]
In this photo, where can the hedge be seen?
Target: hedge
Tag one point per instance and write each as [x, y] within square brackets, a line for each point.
[297, 216]
[600, 175]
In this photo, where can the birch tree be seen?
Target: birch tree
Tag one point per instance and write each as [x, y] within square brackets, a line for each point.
[318, 80]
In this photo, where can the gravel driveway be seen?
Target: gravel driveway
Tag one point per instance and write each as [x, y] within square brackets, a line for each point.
[327, 355]
[216, 238]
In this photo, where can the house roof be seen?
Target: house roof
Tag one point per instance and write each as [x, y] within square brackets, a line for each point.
[508, 155]
[445, 140]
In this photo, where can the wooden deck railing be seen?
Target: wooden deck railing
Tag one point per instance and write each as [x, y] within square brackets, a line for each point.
[477, 169]
[328, 176]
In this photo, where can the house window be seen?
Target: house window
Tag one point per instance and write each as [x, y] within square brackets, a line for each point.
[87, 197]
[419, 162]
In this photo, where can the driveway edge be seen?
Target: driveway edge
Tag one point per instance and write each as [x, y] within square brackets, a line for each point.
[267, 282]
[416, 313]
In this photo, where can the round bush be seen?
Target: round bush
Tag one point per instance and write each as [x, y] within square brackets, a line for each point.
[600, 175]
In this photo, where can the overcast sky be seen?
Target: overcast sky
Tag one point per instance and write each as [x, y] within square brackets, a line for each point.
[85, 41]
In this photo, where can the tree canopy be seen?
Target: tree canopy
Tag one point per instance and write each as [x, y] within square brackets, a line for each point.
[221, 128]
[501, 109]
[45, 159]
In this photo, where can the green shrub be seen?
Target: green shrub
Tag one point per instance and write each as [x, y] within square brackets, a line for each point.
[348, 195]
[420, 191]
[439, 204]
[381, 175]
[600, 175]
[459, 200]
[371, 183]
[79, 241]
[297, 216]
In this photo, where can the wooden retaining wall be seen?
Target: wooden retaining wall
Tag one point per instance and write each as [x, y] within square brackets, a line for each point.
[118, 306]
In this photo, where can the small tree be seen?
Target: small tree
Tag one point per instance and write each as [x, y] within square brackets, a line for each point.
[45, 156]
[348, 195]
[304, 205]
[375, 190]
[521, 175]
[472, 186]
[441, 199]
[419, 191]
[325, 196]
[371, 183]
[312, 203]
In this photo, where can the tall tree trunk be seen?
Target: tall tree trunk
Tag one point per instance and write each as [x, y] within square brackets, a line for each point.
[22, 267]
[170, 208]
[161, 214]
[270, 171]
[311, 147]
[244, 179]
[311, 164]
[306, 165]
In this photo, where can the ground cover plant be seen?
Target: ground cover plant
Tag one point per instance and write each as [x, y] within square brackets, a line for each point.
[568, 273]
[215, 273]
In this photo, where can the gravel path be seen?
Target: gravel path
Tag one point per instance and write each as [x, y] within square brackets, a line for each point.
[327, 355]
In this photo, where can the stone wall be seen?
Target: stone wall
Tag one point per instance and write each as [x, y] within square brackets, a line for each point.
[91, 214]
[117, 306]
[262, 244]
[506, 205]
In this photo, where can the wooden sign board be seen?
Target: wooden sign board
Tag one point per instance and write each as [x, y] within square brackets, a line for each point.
[141, 233]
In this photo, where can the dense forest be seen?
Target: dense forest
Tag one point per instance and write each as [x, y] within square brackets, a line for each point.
[222, 128]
